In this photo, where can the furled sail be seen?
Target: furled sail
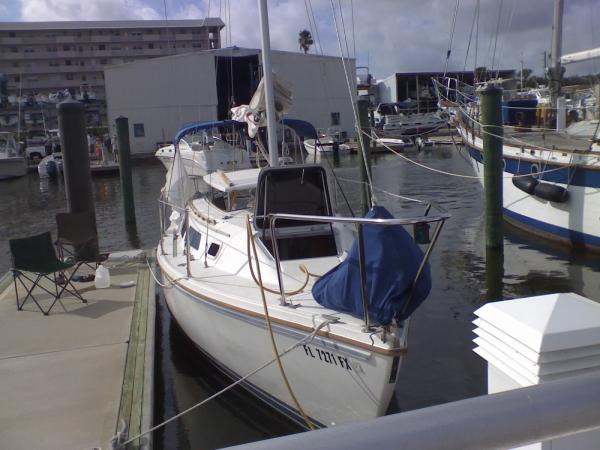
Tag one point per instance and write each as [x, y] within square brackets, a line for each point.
[178, 188]
[255, 113]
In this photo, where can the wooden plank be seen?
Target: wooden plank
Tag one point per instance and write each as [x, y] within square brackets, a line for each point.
[127, 390]
[148, 399]
[5, 281]
[138, 383]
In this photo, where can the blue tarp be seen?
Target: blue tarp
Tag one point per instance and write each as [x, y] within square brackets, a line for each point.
[392, 259]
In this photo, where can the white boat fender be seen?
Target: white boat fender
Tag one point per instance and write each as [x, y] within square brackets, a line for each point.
[126, 284]
[525, 183]
[551, 192]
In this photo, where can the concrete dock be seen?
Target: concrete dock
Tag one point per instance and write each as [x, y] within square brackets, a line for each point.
[67, 379]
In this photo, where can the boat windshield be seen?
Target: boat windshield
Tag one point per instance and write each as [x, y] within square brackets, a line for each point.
[7, 145]
[233, 200]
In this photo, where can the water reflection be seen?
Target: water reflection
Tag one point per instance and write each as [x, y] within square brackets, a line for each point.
[29, 206]
[440, 365]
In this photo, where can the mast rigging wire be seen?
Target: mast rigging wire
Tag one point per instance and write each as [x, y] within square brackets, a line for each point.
[475, 15]
[449, 51]
[354, 110]
[497, 32]
[508, 28]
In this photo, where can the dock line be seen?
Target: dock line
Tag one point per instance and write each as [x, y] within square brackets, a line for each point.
[303, 341]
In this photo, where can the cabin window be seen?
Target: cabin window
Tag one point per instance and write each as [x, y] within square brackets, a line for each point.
[232, 201]
[213, 249]
[138, 130]
[194, 237]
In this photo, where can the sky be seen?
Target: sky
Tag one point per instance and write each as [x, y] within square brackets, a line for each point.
[386, 35]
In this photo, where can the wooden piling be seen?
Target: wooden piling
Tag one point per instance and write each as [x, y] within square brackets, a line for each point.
[364, 154]
[76, 161]
[491, 121]
[122, 125]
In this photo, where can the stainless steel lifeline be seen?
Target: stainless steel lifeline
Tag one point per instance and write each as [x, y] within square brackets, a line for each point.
[359, 222]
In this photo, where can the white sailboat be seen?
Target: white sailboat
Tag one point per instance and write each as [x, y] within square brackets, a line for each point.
[12, 164]
[326, 142]
[249, 265]
[204, 150]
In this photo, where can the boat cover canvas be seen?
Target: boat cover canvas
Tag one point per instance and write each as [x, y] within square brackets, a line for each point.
[392, 259]
[199, 126]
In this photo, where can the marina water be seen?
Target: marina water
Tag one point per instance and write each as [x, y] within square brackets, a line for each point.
[440, 365]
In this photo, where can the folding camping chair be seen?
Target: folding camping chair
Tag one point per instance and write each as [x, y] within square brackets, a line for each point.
[77, 237]
[35, 255]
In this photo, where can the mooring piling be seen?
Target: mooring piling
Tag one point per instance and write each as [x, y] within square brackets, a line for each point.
[122, 126]
[76, 161]
[364, 154]
[491, 122]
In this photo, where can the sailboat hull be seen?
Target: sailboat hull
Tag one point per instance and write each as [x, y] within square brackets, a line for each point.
[12, 168]
[334, 382]
[574, 222]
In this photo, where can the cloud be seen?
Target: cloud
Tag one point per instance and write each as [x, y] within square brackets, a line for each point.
[389, 36]
[51, 10]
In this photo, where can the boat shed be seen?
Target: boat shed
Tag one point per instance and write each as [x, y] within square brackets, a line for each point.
[417, 86]
[160, 95]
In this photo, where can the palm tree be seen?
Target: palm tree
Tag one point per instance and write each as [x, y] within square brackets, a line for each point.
[305, 40]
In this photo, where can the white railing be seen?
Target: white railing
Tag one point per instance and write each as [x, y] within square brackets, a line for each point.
[499, 421]
[360, 222]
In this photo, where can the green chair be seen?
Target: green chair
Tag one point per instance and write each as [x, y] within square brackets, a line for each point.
[77, 238]
[35, 255]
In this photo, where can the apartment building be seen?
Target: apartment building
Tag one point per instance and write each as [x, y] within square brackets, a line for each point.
[42, 63]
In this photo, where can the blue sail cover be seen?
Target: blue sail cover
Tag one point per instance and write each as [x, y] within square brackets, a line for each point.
[392, 259]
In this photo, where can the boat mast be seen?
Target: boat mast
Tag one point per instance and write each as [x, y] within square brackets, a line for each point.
[268, 82]
[556, 70]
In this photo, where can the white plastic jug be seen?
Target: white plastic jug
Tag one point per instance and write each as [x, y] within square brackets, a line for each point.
[102, 279]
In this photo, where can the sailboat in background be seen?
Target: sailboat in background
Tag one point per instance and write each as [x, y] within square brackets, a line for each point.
[12, 163]
[208, 146]
[551, 177]
[308, 310]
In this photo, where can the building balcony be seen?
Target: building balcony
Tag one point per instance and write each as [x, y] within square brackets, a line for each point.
[11, 41]
[50, 85]
[66, 39]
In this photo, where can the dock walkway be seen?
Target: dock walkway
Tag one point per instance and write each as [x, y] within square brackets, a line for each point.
[66, 379]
